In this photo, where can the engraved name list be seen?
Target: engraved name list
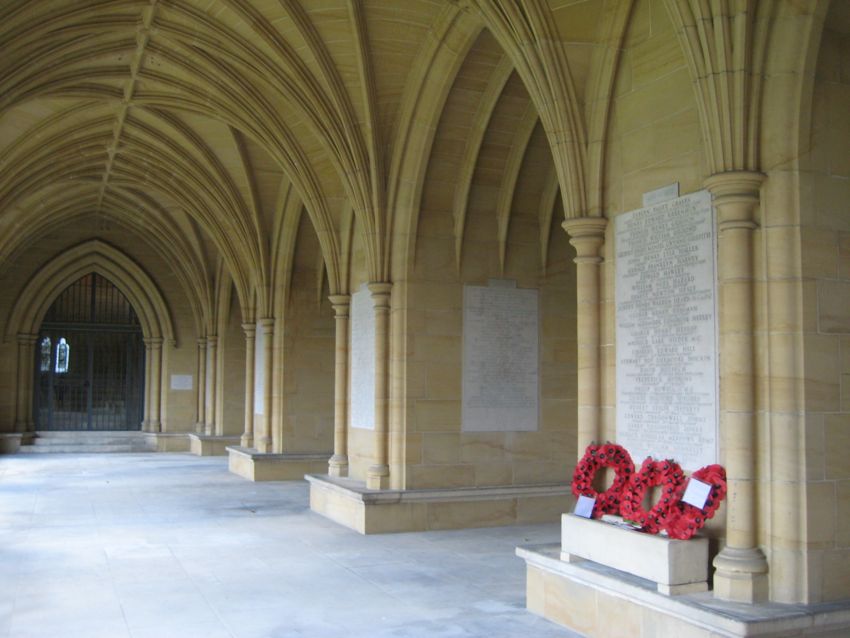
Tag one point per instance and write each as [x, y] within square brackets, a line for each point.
[666, 331]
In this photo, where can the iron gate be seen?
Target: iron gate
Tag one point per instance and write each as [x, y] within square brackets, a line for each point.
[89, 361]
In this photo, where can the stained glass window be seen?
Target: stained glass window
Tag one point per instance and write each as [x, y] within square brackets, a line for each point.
[45, 354]
[63, 356]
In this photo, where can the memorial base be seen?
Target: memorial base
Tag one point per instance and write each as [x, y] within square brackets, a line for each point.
[600, 601]
[349, 503]
[257, 466]
[202, 445]
[675, 566]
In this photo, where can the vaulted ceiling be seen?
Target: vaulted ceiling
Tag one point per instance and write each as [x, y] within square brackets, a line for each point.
[195, 124]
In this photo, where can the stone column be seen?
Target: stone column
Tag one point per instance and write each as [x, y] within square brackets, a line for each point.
[377, 476]
[148, 411]
[202, 386]
[587, 235]
[24, 383]
[248, 435]
[156, 384]
[338, 464]
[29, 371]
[264, 441]
[741, 568]
[212, 392]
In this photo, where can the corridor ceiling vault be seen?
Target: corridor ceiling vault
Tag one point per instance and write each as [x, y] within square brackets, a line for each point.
[206, 127]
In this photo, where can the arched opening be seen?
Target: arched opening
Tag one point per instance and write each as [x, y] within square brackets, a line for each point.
[89, 372]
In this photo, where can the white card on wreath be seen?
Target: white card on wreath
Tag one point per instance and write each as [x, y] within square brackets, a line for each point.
[697, 493]
[584, 506]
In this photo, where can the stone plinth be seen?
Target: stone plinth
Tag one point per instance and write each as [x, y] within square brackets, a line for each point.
[257, 466]
[599, 602]
[675, 566]
[349, 503]
[202, 445]
[10, 443]
[167, 441]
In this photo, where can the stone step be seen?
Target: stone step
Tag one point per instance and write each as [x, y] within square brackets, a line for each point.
[86, 443]
[106, 440]
[93, 434]
[82, 449]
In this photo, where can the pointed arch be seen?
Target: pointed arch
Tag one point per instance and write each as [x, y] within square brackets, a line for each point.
[102, 258]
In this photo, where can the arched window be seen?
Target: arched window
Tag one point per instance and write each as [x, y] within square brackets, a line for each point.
[44, 353]
[63, 356]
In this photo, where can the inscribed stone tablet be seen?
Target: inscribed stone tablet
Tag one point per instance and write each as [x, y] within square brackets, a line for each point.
[362, 366]
[666, 331]
[181, 381]
[500, 359]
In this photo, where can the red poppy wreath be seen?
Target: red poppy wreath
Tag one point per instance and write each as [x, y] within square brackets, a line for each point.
[666, 474]
[685, 520]
[595, 458]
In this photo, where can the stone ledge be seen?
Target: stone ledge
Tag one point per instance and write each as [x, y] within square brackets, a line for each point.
[676, 566]
[256, 466]
[595, 600]
[202, 445]
[350, 503]
[167, 441]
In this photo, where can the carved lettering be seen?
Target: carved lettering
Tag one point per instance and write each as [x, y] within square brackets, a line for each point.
[666, 331]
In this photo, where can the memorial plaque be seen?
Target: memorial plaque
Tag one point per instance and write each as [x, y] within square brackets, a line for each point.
[500, 359]
[362, 362]
[666, 331]
[663, 194]
[181, 381]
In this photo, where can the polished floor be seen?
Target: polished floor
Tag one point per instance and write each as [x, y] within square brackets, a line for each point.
[162, 545]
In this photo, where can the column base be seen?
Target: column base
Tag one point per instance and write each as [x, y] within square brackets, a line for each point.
[258, 466]
[741, 575]
[350, 503]
[338, 466]
[202, 445]
[246, 441]
[10, 442]
[378, 477]
[167, 441]
[154, 427]
[263, 445]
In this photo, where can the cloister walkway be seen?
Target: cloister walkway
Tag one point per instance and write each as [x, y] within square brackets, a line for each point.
[161, 545]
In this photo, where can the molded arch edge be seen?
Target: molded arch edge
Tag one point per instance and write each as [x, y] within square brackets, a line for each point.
[101, 258]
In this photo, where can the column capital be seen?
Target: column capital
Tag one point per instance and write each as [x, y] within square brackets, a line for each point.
[153, 342]
[735, 194]
[26, 338]
[267, 324]
[202, 342]
[381, 293]
[340, 304]
[735, 183]
[586, 236]
[250, 329]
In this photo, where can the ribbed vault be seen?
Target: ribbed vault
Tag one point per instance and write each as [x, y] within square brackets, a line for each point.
[199, 124]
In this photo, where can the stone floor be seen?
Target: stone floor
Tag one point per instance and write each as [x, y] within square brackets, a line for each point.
[160, 545]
